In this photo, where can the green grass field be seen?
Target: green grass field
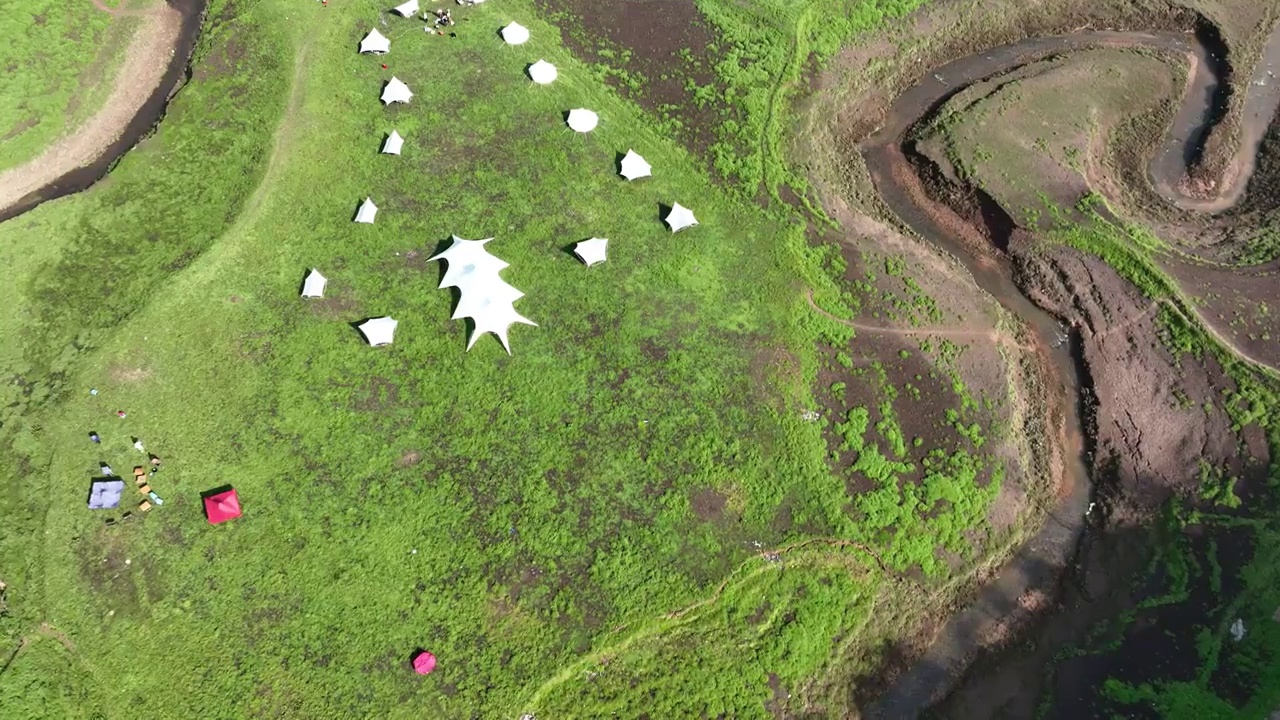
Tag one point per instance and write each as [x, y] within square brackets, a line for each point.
[56, 70]
[529, 519]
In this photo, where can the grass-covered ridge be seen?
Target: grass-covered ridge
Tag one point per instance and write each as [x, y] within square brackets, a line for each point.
[56, 69]
[635, 476]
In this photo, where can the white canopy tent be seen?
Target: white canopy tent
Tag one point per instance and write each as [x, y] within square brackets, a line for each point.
[515, 34]
[634, 166]
[375, 43]
[591, 251]
[486, 298]
[542, 72]
[680, 218]
[407, 9]
[378, 331]
[393, 144]
[367, 212]
[583, 120]
[396, 92]
[313, 284]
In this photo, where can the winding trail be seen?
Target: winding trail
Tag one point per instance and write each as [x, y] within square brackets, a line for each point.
[1034, 567]
[996, 337]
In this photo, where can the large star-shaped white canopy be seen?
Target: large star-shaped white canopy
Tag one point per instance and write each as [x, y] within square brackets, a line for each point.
[485, 297]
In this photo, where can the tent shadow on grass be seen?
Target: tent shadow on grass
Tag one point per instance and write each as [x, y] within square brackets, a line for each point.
[568, 250]
[617, 161]
[441, 265]
[210, 493]
[663, 211]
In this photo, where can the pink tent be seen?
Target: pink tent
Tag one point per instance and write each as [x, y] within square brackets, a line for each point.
[424, 662]
[222, 507]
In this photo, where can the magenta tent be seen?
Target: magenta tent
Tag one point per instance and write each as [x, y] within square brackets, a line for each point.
[424, 662]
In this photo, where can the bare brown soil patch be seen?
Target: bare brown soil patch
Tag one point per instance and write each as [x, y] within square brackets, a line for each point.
[145, 64]
[707, 504]
[660, 44]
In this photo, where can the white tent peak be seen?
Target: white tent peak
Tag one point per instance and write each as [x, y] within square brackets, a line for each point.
[393, 144]
[485, 297]
[313, 284]
[542, 72]
[515, 34]
[680, 218]
[591, 251]
[375, 43]
[396, 92]
[466, 257]
[378, 331]
[367, 212]
[583, 120]
[407, 9]
[634, 166]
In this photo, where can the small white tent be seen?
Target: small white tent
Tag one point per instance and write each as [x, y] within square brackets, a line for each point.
[634, 166]
[680, 218]
[393, 144]
[486, 298]
[542, 72]
[407, 9]
[375, 43]
[515, 34]
[313, 285]
[591, 251]
[378, 331]
[583, 120]
[367, 212]
[396, 92]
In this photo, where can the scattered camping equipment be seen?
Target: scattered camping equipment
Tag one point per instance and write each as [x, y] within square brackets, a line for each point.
[155, 498]
[95, 437]
[680, 218]
[144, 489]
[634, 166]
[104, 493]
[591, 251]
[424, 662]
[542, 72]
[144, 506]
[583, 120]
[486, 298]
[378, 331]
[313, 284]
[222, 506]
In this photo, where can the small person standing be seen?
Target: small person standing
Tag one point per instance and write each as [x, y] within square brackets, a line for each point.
[137, 445]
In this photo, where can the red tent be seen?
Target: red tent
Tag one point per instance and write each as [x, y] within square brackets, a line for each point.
[222, 507]
[424, 662]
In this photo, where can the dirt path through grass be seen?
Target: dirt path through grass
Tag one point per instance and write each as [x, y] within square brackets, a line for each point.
[994, 336]
[125, 11]
[145, 64]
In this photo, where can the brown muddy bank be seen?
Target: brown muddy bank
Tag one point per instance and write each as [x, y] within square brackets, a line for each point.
[1116, 375]
[139, 126]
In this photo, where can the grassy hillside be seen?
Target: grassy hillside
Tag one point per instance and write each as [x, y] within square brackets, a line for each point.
[634, 488]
